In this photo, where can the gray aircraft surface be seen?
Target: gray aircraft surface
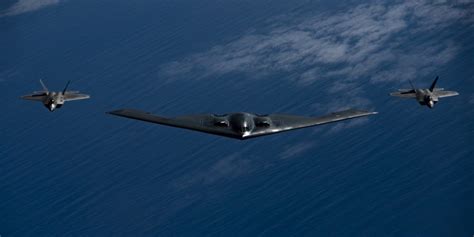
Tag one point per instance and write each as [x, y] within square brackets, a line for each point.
[428, 97]
[241, 125]
[54, 100]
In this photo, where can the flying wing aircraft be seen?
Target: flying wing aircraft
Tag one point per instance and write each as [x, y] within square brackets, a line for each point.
[241, 125]
[53, 100]
[428, 97]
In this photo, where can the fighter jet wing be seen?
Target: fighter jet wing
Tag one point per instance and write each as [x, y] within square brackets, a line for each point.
[75, 96]
[404, 94]
[200, 122]
[441, 94]
[35, 96]
[284, 122]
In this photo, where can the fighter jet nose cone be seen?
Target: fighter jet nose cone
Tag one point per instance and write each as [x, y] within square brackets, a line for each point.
[52, 107]
[430, 104]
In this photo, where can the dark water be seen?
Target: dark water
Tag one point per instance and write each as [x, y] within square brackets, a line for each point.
[407, 171]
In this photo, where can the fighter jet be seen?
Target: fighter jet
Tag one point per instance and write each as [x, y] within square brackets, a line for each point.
[54, 100]
[428, 97]
[241, 125]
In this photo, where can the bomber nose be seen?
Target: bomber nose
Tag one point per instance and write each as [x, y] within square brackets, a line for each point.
[244, 127]
[241, 124]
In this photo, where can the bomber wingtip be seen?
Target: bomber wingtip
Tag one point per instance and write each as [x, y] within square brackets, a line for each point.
[114, 112]
[119, 111]
[366, 112]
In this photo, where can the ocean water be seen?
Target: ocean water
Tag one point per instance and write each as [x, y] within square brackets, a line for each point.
[407, 171]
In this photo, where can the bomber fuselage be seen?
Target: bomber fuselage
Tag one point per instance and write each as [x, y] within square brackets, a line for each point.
[243, 124]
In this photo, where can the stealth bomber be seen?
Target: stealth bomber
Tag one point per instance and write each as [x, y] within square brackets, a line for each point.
[54, 100]
[241, 125]
[428, 97]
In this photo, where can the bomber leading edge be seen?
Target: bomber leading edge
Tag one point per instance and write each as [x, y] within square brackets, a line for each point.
[241, 125]
[54, 100]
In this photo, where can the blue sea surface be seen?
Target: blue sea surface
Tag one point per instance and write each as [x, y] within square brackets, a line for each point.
[407, 171]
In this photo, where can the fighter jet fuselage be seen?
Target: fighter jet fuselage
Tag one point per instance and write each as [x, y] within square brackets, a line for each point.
[426, 97]
[53, 101]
